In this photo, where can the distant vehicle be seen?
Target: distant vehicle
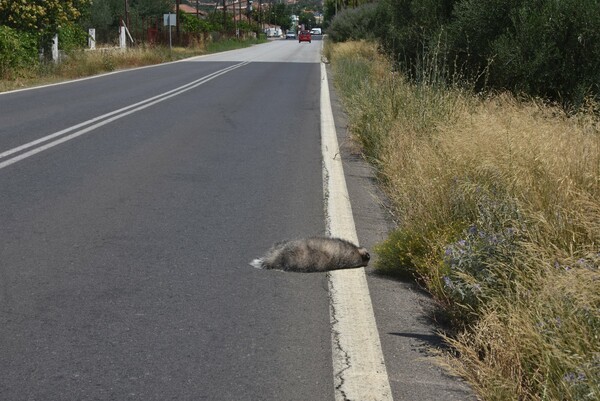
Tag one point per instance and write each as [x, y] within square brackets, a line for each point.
[316, 31]
[290, 35]
[304, 36]
[273, 32]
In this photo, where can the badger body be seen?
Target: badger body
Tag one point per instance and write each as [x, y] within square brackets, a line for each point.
[314, 254]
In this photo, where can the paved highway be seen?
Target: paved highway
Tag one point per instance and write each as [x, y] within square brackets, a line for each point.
[131, 205]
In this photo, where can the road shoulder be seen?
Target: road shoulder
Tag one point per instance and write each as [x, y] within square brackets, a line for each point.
[401, 310]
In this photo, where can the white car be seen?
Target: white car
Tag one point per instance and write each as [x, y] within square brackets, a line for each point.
[316, 31]
[290, 35]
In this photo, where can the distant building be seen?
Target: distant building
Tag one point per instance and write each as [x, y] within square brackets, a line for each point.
[318, 18]
[191, 10]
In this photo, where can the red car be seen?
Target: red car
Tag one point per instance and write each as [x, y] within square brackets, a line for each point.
[304, 36]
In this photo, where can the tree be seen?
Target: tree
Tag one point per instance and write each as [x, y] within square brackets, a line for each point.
[282, 14]
[308, 19]
[193, 25]
[145, 8]
[101, 17]
[41, 18]
[354, 23]
[105, 15]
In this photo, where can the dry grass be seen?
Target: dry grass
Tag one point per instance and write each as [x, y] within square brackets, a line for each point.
[498, 203]
[547, 163]
[83, 64]
[541, 346]
[87, 63]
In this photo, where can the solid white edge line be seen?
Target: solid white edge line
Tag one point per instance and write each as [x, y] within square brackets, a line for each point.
[359, 368]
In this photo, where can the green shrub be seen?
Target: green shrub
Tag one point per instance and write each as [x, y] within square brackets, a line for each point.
[548, 49]
[551, 50]
[354, 24]
[72, 37]
[193, 25]
[476, 262]
[408, 28]
[400, 253]
[18, 52]
[475, 25]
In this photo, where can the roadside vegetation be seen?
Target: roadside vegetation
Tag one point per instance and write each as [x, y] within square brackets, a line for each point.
[545, 49]
[498, 208]
[495, 186]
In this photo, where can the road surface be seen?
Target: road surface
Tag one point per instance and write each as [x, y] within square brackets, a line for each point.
[124, 270]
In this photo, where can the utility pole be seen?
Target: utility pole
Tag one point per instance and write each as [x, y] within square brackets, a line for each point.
[239, 15]
[235, 24]
[224, 16]
[177, 22]
[126, 20]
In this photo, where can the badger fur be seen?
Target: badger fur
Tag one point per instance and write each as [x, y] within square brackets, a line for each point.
[314, 254]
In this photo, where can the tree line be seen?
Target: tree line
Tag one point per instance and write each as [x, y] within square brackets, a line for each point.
[543, 48]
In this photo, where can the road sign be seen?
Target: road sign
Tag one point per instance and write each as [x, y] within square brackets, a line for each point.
[170, 20]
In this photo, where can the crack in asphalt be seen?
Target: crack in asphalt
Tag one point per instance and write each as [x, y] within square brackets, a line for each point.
[335, 336]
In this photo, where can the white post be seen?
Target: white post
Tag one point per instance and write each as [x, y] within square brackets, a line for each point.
[92, 39]
[55, 48]
[122, 38]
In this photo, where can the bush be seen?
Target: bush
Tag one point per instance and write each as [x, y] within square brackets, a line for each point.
[548, 49]
[408, 28]
[193, 25]
[72, 37]
[401, 253]
[552, 50]
[354, 24]
[475, 264]
[18, 52]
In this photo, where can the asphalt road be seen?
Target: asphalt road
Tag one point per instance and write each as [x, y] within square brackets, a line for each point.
[124, 250]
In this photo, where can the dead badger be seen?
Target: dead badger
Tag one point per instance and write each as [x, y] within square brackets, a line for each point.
[314, 254]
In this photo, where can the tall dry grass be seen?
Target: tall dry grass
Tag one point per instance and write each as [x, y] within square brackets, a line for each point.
[79, 64]
[498, 207]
